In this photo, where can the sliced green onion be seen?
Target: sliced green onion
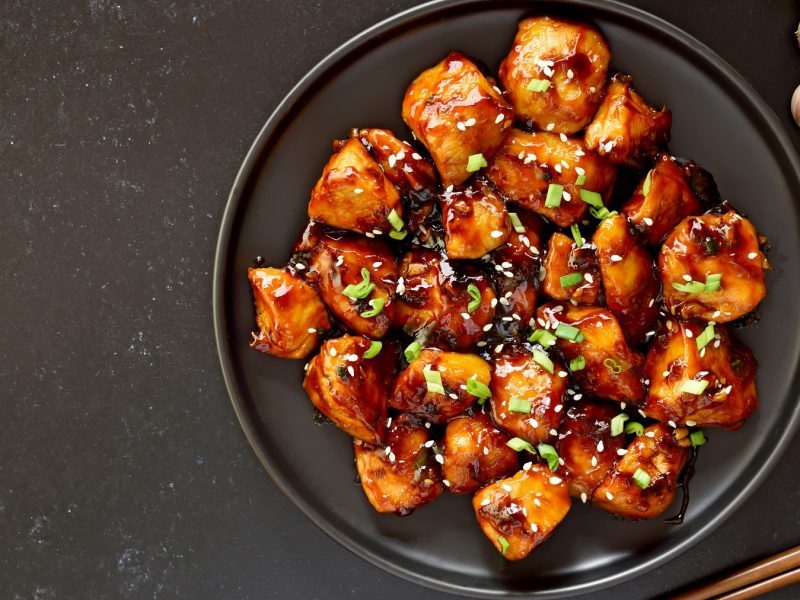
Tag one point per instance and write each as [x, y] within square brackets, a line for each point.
[570, 280]
[519, 445]
[690, 287]
[504, 545]
[377, 307]
[538, 85]
[704, 339]
[591, 198]
[602, 213]
[618, 423]
[554, 193]
[613, 366]
[433, 379]
[544, 337]
[516, 223]
[646, 184]
[568, 332]
[421, 460]
[577, 364]
[476, 162]
[576, 234]
[520, 405]
[697, 438]
[547, 452]
[398, 235]
[412, 351]
[475, 294]
[373, 350]
[642, 479]
[544, 361]
[395, 220]
[713, 282]
[694, 387]
[634, 427]
[581, 179]
[359, 291]
[478, 389]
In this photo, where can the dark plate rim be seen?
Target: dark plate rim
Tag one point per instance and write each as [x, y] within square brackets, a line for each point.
[222, 258]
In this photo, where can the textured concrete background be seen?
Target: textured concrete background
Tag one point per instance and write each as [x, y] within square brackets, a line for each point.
[122, 471]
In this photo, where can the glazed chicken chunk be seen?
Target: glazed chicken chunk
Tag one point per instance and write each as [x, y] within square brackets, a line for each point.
[402, 476]
[475, 221]
[356, 278]
[626, 129]
[440, 306]
[528, 388]
[353, 192]
[661, 200]
[571, 271]
[475, 452]
[545, 173]
[643, 483]
[629, 278]
[351, 389]
[289, 313]
[455, 111]
[519, 513]
[586, 445]
[555, 73]
[711, 268]
[439, 385]
[700, 375]
[592, 342]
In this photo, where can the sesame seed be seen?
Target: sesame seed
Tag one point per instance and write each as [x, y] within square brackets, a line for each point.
[507, 319]
[416, 156]
[615, 258]
[690, 423]
[486, 502]
[534, 423]
[557, 168]
[499, 118]
[392, 457]
[429, 443]
[504, 302]
[672, 424]
[562, 374]
[553, 432]
[506, 265]
[333, 352]
[622, 451]
[609, 496]
[563, 137]
[650, 434]
[641, 412]
[579, 153]
[716, 314]
[689, 333]
[427, 425]
[752, 255]
[481, 344]
[550, 126]
[351, 371]
[377, 231]
[312, 330]
[649, 222]
[460, 126]
[470, 122]
[493, 303]
[716, 343]
[527, 466]
[594, 461]
[447, 483]
[453, 395]
[555, 480]
[358, 191]
[465, 316]
[650, 304]
[579, 396]
[600, 446]
[588, 277]
[369, 234]
[583, 497]
[687, 277]
[703, 353]
[498, 348]
[387, 450]
[516, 317]
[547, 71]
[496, 233]
[521, 155]
[401, 155]
[669, 325]
[439, 459]
[566, 195]
[392, 160]
[534, 527]
[485, 450]
[487, 327]
[506, 487]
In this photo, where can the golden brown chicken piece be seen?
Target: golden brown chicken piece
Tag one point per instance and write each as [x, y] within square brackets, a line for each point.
[555, 73]
[475, 221]
[610, 368]
[528, 388]
[436, 385]
[711, 268]
[700, 376]
[289, 313]
[662, 199]
[586, 445]
[515, 265]
[642, 485]
[402, 476]
[356, 278]
[457, 113]
[475, 453]
[629, 278]
[353, 192]
[529, 168]
[351, 390]
[519, 513]
[434, 301]
[626, 129]
[570, 272]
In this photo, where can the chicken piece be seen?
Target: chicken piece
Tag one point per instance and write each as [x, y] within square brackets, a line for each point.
[403, 476]
[351, 390]
[527, 165]
[571, 59]
[519, 513]
[570, 271]
[455, 111]
[711, 268]
[626, 129]
[475, 453]
[629, 278]
[339, 264]
[434, 301]
[353, 192]
[661, 200]
[289, 313]
[435, 384]
[514, 267]
[528, 397]
[586, 445]
[611, 369]
[722, 391]
[642, 485]
[475, 221]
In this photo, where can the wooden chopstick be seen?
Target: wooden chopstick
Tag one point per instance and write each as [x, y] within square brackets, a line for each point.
[764, 576]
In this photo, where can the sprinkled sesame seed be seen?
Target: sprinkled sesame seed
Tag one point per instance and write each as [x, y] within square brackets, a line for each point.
[416, 156]
[527, 466]
[583, 497]
[594, 461]
[550, 126]
[716, 343]
[392, 160]
[609, 496]
[506, 487]
[487, 327]
[507, 319]
[600, 446]
[481, 344]
[579, 396]
[351, 371]
[521, 155]
[579, 153]
[358, 191]
[557, 168]
[641, 412]
[500, 118]
[563, 137]
[504, 301]
[558, 408]
[566, 195]
[446, 482]
[615, 258]
[429, 443]
[333, 352]
[689, 333]
[672, 424]
[439, 459]
[588, 277]
[460, 126]
[534, 527]
[752, 255]
[465, 316]
[496, 233]
[506, 265]
[650, 434]
[427, 425]
[485, 450]
[622, 451]
[498, 348]
[553, 432]
[650, 304]
[562, 374]
[493, 302]
[648, 221]
[312, 330]
[687, 277]
[555, 480]
[470, 122]
[486, 502]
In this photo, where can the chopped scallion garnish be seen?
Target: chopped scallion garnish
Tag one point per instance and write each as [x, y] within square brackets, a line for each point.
[568, 332]
[542, 336]
[395, 220]
[690, 287]
[520, 405]
[519, 445]
[538, 85]
[591, 198]
[412, 351]
[570, 280]
[478, 389]
[359, 291]
[373, 350]
[554, 193]
[602, 213]
[713, 282]
[634, 427]
[433, 380]
[516, 223]
[377, 306]
[705, 338]
[544, 361]
[613, 366]
[618, 423]
[577, 364]
[476, 162]
[581, 179]
[504, 545]
[475, 294]
[641, 478]
[694, 386]
[646, 184]
[547, 452]
[576, 234]
[398, 235]
[697, 438]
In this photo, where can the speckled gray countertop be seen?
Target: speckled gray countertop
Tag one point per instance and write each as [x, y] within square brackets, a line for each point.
[123, 473]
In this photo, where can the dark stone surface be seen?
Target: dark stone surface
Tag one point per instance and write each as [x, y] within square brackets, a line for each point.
[122, 470]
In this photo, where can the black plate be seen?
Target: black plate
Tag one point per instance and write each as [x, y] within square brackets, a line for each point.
[719, 121]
